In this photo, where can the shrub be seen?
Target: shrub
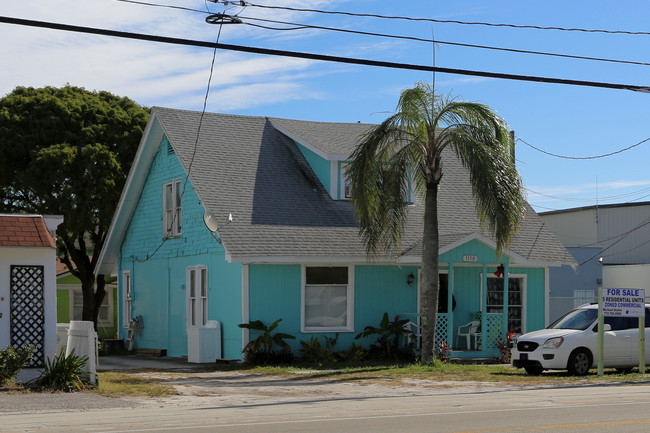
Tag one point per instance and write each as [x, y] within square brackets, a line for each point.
[388, 333]
[443, 351]
[62, 373]
[261, 349]
[314, 352]
[504, 348]
[354, 353]
[12, 361]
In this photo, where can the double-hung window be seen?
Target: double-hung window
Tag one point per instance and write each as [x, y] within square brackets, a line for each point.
[327, 299]
[197, 296]
[172, 218]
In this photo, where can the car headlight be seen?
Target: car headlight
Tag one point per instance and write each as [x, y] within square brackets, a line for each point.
[553, 343]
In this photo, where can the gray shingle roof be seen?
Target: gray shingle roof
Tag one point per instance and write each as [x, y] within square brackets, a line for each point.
[245, 166]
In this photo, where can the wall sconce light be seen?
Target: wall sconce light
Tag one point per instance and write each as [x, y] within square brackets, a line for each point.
[500, 271]
[410, 279]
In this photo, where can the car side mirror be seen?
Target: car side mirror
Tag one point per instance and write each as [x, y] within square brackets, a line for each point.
[606, 327]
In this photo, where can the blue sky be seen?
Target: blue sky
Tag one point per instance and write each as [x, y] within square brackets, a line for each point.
[560, 119]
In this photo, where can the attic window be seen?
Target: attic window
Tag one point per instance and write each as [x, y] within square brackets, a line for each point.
[346, 192]
[170, 149]
[172, 217]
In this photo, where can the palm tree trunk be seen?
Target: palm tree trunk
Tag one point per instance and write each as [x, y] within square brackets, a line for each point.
[430, 283]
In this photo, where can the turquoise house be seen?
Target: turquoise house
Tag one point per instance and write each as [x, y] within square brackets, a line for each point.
[234, 218]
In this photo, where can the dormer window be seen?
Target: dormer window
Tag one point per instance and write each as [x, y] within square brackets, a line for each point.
[172, 209]
[346, 190]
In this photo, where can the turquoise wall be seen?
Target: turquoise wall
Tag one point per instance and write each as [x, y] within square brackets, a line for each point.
[159, 277]
[320, 166]
[275, 291]
[378, 289]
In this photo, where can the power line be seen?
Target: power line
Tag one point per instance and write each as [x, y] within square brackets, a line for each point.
[604, 155]
[586, 200]
[321, 57]
[299, 26]
[432, 20]
[196, 142]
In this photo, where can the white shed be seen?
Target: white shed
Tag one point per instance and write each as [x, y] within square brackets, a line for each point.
[27, 288]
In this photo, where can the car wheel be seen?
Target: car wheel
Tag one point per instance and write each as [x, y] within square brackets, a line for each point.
[579, 362]
[535, 371]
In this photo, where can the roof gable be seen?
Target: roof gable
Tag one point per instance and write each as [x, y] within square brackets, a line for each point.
[250, 167]
[24, 231]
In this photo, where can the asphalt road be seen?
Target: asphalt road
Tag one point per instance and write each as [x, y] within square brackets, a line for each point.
[603, 408]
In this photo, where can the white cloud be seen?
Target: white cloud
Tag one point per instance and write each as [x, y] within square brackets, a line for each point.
[150, 73]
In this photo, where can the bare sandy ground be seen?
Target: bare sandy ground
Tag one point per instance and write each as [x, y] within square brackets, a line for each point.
[237, 388]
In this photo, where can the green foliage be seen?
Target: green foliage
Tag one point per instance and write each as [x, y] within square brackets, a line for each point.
[409, 145]
[12, 361]
[387, 333]
[353, 354]
[313, 352]
[63, 373]
[261, 350]
[67, 151]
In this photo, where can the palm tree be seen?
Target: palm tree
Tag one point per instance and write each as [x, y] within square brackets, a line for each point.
[410, 143]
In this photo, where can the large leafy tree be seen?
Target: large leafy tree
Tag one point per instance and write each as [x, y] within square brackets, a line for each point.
[411, 142]
[67, 151]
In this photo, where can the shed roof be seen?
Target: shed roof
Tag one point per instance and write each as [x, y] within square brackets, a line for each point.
[24, 231]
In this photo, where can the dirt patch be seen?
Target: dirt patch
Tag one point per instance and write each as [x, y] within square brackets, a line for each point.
[236, 388]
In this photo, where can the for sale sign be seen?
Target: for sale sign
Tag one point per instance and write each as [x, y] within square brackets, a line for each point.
[623, 302]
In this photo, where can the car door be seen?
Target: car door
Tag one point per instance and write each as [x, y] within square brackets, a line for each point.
[618, 350]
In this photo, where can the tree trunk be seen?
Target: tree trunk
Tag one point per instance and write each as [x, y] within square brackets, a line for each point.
[100, 293]
[430, 282]
[88, 290]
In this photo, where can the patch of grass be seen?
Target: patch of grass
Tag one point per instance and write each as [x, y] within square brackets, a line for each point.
[445, 372]
[114, 384]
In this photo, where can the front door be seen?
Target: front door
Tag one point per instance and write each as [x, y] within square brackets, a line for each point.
[196, 307]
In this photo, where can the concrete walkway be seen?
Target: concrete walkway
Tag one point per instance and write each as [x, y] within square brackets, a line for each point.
[137, 362]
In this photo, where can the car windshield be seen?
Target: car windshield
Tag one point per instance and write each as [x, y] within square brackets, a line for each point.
[576, 319]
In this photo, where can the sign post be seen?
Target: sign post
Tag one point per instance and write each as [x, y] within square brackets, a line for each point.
[621, 303]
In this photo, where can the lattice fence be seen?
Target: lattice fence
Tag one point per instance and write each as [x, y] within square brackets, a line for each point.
[27, 324]
[441, 328]
[494, 325]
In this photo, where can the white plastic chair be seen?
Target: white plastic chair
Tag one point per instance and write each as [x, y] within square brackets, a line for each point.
[470, 332]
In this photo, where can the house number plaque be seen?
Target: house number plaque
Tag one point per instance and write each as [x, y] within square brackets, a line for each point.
[470, 259]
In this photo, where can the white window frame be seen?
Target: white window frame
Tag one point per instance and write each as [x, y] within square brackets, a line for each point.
[524, 290]
[172, 210]
[197, 289]
[127, 298]
[107, 303]
[349, 326]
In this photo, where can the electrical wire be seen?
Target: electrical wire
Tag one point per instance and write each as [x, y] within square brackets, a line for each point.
[299, 26]
[604, 155]
[432, 20]
[321, 57]
[196, 143]
[577, 199]
[620, 238]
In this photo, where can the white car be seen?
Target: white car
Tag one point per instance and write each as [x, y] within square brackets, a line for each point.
[571, 343]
